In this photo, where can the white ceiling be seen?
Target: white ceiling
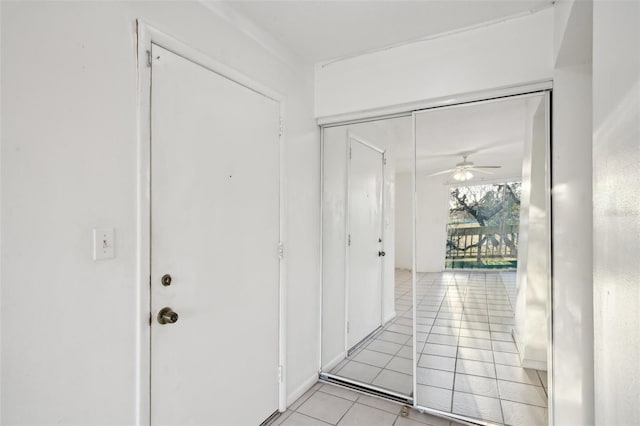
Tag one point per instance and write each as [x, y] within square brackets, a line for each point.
[318, 31]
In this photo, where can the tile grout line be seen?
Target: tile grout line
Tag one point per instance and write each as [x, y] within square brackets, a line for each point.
[430, 328]
[311, 417]
[455, 368]
[497, 385]
[348, 409]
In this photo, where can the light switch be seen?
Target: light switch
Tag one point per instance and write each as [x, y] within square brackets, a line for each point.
[103, 244]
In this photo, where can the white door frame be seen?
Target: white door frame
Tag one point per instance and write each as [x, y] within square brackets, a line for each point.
[347, 230]
[148, 35]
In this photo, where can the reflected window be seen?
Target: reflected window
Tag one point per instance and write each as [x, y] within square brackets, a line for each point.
[483, 226]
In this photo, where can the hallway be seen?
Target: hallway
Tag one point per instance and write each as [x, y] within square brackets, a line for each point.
[147, 200]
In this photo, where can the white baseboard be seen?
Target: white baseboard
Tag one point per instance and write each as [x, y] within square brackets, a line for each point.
[519, 347]
[535, 365]
[389, 317]
[300, 390]
[335, 361]
[526, 362]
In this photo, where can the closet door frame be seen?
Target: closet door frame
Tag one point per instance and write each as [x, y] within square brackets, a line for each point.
[410, 110]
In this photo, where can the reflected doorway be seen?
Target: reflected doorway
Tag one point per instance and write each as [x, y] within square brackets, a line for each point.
[367, 299]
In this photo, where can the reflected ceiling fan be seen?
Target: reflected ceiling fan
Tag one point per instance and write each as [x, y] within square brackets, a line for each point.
[463, 170]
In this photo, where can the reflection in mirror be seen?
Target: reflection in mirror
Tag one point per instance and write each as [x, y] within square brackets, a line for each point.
[482, 260]
[366, 255]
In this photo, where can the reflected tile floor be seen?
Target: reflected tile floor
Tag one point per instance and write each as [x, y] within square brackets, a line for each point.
[468, 363]
[327, 404]
[386, 359]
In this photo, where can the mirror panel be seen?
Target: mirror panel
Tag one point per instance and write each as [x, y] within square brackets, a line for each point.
[367, 254]
[482, 259]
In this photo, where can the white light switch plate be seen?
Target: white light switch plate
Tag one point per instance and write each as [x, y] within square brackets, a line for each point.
[103, 244]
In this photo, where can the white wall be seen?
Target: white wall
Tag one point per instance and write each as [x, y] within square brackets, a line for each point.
[333, 231]
[334, 169]
[572, 375]
[572, 32]
[432, 215]
[69, 165]
[561, 13]
[530, 330]
[504, 54]
[616, 213]
[432, 207]
[572, 245]
[404, 217]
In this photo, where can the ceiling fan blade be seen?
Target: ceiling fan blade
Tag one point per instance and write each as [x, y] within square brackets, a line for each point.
[487, 167]
[442, 172]
[430, 157]
[472, 150]
[480, 170]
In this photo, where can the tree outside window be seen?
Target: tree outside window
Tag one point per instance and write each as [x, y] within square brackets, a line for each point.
[483, 226]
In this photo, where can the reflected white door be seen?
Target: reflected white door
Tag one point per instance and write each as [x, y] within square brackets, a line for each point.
[364, 241]
[215, 230]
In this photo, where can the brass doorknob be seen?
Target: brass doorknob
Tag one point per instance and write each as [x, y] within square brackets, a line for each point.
[167, 316]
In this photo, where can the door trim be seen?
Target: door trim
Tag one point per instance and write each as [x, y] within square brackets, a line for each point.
[405, 109]
[146, 36]
[351, 136]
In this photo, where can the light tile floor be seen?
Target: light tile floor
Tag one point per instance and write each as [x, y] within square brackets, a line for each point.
[468, 362]
[326, 405]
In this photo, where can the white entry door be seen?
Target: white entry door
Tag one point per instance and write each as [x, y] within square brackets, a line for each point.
[364, 240]
[215, 232]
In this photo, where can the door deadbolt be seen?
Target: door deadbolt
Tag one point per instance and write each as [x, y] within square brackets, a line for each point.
[166, 280]
[167, 316]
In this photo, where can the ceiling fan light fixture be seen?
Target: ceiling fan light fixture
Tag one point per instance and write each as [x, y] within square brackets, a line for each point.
[462, 175]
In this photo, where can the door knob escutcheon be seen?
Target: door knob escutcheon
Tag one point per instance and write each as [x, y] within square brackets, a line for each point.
[167, 316]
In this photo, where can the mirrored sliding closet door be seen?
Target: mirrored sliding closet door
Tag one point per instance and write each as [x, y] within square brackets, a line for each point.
[436, 249]
[482, 260]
